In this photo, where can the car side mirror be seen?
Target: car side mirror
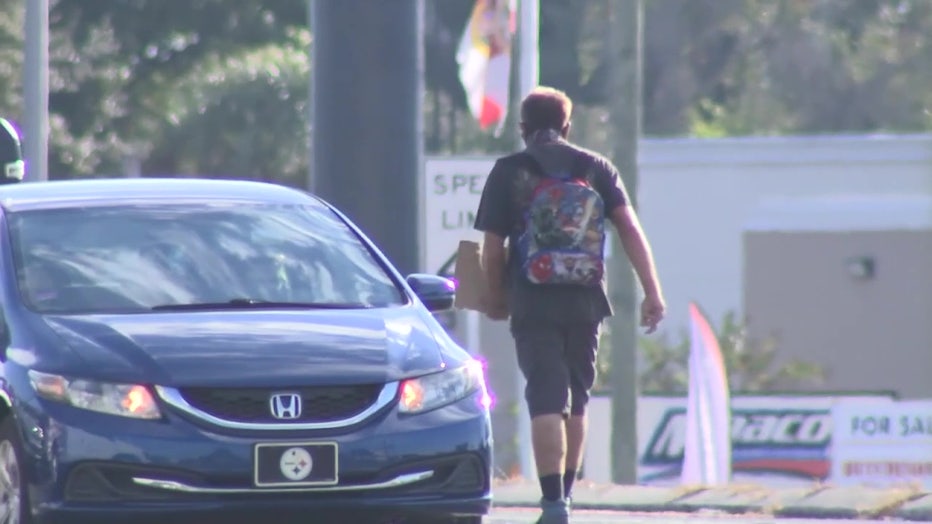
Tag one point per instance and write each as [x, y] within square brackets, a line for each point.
[436, 292]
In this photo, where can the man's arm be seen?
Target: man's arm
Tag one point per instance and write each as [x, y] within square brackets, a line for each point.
[623, 216]
[635, 243]
[637, 248]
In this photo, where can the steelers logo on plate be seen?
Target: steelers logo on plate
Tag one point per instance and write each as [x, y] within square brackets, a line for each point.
[296, 464]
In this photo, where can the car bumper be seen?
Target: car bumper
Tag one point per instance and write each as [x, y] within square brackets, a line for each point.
[87, 467]
[279, 511]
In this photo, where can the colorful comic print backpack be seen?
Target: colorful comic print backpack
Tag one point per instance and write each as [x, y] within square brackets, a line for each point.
[563, 239]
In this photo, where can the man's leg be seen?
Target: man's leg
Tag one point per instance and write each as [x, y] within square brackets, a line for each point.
[575, 446]
[549, 440]
[540, 352]
[581, 347]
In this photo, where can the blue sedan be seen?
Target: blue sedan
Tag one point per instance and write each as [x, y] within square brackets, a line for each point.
[224, 351]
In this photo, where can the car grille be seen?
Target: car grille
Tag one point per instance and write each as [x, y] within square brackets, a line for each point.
[319, 404]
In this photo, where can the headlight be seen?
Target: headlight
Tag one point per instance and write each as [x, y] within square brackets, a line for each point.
[439, 389]
[128, 400]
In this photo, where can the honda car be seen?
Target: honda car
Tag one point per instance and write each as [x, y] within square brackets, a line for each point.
[185, 350]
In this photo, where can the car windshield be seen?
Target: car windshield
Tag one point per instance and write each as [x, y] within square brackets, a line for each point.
[128, 258]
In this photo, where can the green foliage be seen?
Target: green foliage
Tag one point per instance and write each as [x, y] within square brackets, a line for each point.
[11, 56]
[752, 364]
[119, 68]
[241, 116]
[760, 67]
[187, 87]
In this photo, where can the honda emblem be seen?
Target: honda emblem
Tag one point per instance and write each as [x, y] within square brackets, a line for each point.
[285, 406]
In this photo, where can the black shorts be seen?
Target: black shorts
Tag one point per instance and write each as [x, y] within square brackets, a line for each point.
[558, 362]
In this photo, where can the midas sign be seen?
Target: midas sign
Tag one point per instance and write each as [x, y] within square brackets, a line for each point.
[776, 439]
[791, 442]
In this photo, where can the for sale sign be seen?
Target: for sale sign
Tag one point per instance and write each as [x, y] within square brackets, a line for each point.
[883, 443]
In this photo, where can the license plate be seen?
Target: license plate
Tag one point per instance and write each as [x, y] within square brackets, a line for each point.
[294, 464]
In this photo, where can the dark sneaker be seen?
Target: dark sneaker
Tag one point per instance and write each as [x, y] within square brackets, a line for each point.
[554, 512]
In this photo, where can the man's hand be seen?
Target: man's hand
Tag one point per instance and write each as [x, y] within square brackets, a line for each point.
[652, 310]
[495, 306]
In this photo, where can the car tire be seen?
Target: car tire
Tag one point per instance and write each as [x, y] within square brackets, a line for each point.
[14, 505]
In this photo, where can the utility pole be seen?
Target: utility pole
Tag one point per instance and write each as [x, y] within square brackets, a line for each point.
[36, 90]
[528, 79]
[624, 96]
[368, 69]
[309, 183]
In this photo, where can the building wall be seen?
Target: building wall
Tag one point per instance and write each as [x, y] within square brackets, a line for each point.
[870, 333]
[696, 197]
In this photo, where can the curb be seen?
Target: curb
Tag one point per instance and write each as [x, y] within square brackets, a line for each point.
[918, 509]
[848, 503]
[817, 502]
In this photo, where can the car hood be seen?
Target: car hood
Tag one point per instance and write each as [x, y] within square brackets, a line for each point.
[251, 348]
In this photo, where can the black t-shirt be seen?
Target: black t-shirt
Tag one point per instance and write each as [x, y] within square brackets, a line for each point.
[501, 211]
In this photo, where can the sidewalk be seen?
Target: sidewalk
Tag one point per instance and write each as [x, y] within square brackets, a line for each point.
[906, 503]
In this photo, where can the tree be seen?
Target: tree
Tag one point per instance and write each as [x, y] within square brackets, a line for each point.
[12, 13]
[241, 116]
[712, 68]
[751, 364]
[739, 67]
[115, 67]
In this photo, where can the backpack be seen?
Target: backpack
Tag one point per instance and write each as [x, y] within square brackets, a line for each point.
[563, 239]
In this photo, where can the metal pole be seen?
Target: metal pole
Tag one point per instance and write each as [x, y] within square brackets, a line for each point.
[368, 133]
[310, 98]
[36, 90]
[529, 53]
[625, 37]
[528, 79]
[132, 165]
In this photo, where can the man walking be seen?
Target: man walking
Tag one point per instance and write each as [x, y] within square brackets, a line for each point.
[551, 203]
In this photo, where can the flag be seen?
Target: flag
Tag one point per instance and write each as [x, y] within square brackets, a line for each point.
[707, 453]
[484, 58]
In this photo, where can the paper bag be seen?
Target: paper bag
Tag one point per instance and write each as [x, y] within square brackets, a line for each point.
[470, 280]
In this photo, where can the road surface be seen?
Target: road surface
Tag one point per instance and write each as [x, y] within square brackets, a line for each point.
[528, 516]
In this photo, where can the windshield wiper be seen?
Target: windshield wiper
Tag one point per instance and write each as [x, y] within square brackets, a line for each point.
[252, 303]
